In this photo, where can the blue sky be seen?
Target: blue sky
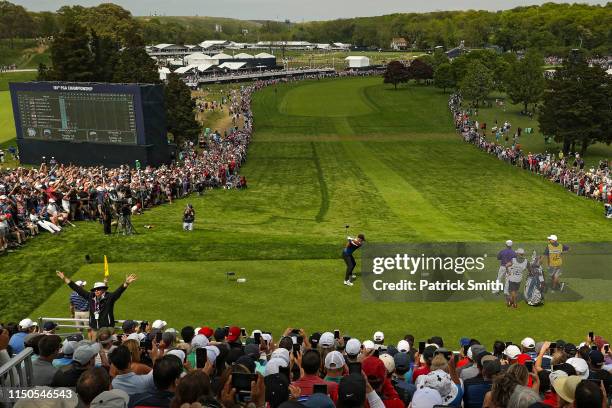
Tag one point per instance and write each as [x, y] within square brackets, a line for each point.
[295, 10]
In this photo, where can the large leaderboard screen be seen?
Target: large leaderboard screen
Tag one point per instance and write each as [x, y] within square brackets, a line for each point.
[90, 123]
[70, 112]
[78, 116]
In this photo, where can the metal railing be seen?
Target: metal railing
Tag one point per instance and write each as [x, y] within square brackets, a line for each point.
[17, 372]
[71, 323]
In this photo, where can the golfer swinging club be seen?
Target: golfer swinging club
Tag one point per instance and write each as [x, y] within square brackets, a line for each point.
[352, 245]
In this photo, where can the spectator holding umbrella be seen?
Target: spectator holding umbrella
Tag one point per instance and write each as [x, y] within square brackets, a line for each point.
[101, 302]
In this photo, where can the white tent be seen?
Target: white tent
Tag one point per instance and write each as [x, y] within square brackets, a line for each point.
[264, 55]
[243, 55]
[205, 67]
[222, 56]
[197, 58]
[184, 70]
[233, 66]
[357, 61]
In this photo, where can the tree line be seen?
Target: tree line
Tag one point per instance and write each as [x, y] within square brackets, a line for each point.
[573, 104]
[550, 28]
[89, 51]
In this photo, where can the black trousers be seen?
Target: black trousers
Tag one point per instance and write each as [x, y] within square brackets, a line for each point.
[107, 225]
[350, 265]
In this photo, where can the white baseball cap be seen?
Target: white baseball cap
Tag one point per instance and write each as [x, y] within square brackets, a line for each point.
[552, 237]
[80, 283]
[509, 243]
[352, 347]
[159, 324]
[403, 346]
[379, 336]
[267, 337]
[520, 251]
[512, 351]
[528, 342]
[334, 360]
[176, 352]
[27, 323]
[388, 361]
[327, 339]
[272, 367]
[281, 353]
[212, 352]
[369, 345]
[580, 365]
[199, 340]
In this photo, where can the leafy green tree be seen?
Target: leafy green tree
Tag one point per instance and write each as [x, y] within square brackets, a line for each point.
[395, 73]
[106, 54]
[576, 105]
[477, 83]
[443, 76]
[525, 80]
[15, 22]
[43, 73]
[71, 55]
[134, 65]
[180, 111]
[439, 58]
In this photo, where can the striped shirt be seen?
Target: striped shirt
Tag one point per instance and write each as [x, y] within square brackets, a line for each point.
[80, 303]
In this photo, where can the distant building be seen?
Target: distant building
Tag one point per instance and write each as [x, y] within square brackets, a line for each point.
[218, 28]
[399, 43]
[457, 51]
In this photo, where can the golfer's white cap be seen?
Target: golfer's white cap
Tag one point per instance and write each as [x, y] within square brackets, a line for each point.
[81, 283]
[509, 243]
[552, 237]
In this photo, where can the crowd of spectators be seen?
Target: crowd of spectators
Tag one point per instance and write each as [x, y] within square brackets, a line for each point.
[151, 365]
[604, 62]
[54, 195]
[567, 170]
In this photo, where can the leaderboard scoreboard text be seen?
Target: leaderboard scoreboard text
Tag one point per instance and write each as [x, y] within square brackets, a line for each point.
[94, 113]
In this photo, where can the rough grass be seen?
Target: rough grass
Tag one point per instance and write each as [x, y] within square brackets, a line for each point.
[399, 174]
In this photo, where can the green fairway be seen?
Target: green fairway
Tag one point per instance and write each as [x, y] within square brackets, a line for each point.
[7, 124]
[19, 76]
[340, 99]
[391, 167]
[202, 295]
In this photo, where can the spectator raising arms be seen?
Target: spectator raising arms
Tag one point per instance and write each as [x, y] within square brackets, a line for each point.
[101, 302]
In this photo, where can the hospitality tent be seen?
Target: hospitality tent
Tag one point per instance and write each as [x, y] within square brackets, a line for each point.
[357, 61]
[232, 66]
[197, 58]
[243, 56]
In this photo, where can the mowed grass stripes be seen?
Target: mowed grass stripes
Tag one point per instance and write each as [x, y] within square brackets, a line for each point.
[397, 173]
